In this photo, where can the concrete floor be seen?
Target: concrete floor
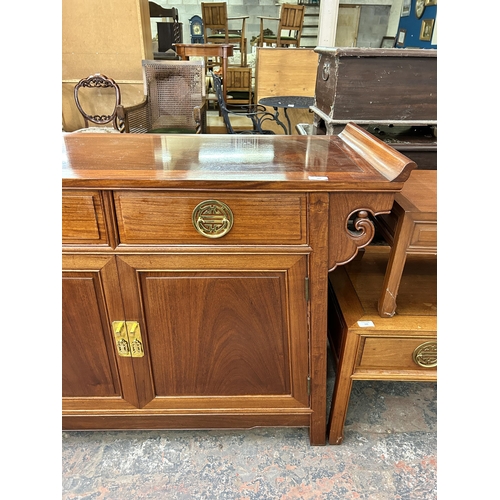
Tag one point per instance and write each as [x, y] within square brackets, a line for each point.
[389, 453]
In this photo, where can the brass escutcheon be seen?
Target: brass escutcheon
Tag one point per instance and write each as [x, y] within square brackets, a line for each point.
[425, 355]
[212, 218]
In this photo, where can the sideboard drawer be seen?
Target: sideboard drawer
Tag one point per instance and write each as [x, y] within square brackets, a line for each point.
[167, 218]
[397, 353]
[83, 218]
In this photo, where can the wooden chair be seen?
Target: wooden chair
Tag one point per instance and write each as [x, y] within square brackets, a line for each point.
[291, 19]
[216, 27]
[238, 85]
[257, 114]
[110, 99]
[174, 99]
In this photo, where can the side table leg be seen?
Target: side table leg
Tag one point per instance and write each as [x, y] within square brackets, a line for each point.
[395, 266]
[342, 389]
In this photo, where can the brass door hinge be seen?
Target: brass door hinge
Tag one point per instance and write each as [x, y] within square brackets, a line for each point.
[128, 339]
[306, 285]
[308, 385]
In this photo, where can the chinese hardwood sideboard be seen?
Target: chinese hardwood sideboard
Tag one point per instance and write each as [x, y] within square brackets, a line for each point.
[195, 273]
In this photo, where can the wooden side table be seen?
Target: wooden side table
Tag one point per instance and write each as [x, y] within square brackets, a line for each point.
[410, 228]
[187, 50]
[368, 347]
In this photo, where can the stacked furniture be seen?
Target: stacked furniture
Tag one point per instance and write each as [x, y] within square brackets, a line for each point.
[216, 28]
[288, 27]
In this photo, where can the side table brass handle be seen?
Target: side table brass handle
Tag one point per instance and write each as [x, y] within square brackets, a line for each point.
[425, 355]
[212, 218]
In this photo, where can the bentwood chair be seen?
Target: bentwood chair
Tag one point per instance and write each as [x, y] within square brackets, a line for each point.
[216, 27]
[174, 101]
[103, 93]
[291, 20]
[257, 114]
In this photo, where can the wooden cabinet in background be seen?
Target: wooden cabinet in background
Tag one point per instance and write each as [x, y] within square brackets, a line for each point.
[195, 282]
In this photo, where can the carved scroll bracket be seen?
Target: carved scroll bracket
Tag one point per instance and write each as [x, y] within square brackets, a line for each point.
[350, 225]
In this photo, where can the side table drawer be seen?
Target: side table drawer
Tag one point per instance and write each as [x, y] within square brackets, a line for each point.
[424, 237]
[397, 353]
[166, 218]
[83, 218]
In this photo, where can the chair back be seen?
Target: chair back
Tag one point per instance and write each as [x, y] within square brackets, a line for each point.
[257, 114]
[239, 85]
[217, 83]
[214, 15]
[291, 20]
[173, 90]
[110, 99]
[156, 10]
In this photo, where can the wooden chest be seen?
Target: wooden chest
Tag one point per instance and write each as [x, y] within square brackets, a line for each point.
[368, 347]
[390, 92]
[377, 85]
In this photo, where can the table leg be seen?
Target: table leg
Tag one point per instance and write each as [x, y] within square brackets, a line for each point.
[342, 389]
[288, 121]
[279, 122]
[395, 266]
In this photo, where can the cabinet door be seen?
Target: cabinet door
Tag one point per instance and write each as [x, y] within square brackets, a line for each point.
[93, 376]
[219, 331]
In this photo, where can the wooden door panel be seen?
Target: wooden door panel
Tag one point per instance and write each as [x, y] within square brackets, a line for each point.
[210, 329]
[87, 367]
[92, 371]
[219, 331]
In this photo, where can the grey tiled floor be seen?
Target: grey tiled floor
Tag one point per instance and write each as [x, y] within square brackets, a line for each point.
[389, 453]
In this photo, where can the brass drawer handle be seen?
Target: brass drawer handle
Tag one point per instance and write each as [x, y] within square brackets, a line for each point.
[425, 355]
[212, 218]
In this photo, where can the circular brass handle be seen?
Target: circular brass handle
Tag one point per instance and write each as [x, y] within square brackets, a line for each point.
[212, 218]
[425, 355]
[325, 73]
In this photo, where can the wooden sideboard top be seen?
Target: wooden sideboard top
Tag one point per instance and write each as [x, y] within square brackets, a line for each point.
[353, 160]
